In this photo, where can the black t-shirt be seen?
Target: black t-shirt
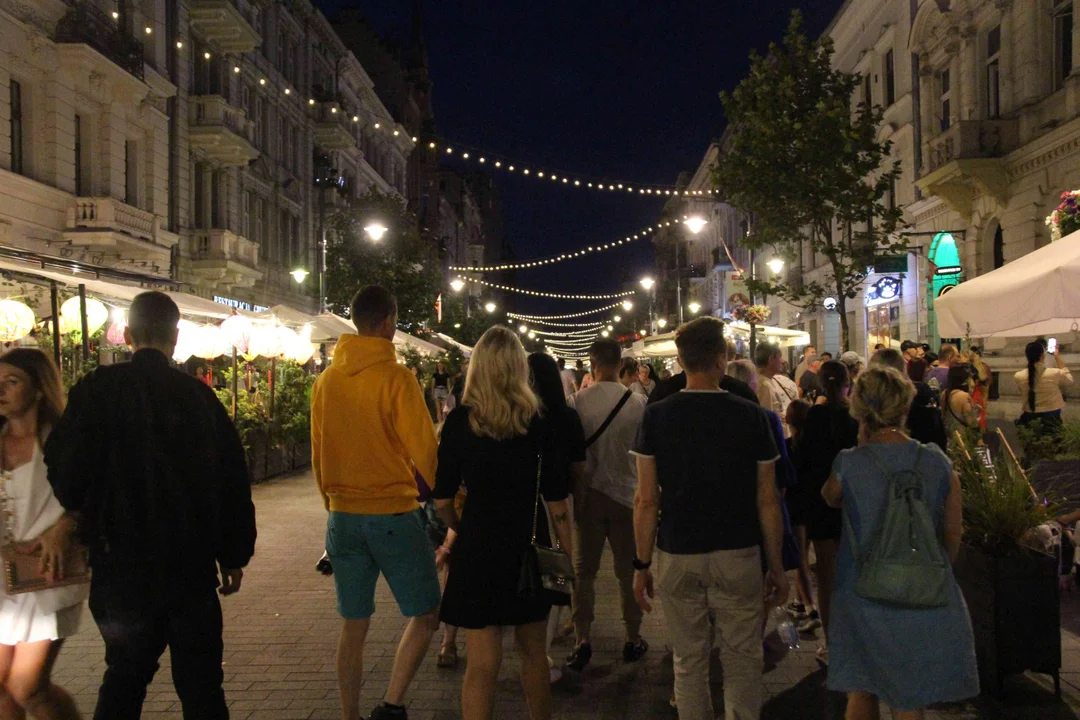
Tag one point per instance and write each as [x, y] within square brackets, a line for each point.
[707, 446]
[569, 438]
[675, 383]
[811, 386]
[441, 380]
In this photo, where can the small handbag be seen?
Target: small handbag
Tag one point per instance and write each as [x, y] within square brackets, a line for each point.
[547, 574]
[22, 566]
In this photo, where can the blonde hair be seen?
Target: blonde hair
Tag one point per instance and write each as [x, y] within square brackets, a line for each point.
[497, 387]
[882, 398]
[743, 370]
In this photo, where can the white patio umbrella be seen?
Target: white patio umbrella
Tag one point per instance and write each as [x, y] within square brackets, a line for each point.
[1037, 294]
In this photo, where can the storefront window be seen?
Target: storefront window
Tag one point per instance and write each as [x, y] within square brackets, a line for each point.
[882, 326]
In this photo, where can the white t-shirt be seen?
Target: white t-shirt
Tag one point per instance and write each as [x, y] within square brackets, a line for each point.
[609, 467]
[568, 381]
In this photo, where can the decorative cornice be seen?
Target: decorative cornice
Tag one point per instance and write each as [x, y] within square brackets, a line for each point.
[1063, 149]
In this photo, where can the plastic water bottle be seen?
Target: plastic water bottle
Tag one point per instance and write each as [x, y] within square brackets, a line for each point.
[785, 627]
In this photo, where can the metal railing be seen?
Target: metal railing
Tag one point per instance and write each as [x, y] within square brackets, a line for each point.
[86, 24]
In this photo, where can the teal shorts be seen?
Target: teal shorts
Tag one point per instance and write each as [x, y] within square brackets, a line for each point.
[362, 546]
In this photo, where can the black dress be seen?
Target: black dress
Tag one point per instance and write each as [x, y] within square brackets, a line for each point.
[496, 526]
[829, 429]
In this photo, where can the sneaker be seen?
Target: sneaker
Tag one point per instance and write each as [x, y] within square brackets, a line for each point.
[555, 674]
[811, 623]
[389, 712]
[323, 566]
[581, 656]
[797, 610]
[634, 651]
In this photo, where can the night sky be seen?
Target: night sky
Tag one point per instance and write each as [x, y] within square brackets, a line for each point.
[610, 88]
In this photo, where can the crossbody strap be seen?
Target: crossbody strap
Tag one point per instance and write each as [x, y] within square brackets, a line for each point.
[607, 421]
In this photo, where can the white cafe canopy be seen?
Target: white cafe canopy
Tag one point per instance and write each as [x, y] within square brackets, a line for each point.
[664, 345]
[1036, 294]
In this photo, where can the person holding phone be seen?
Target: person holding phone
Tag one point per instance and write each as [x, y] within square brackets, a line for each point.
[1041, 386]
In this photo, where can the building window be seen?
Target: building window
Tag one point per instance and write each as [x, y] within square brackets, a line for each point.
[78, 158]
[890, 79]
[249, 215]
[993, 72]
[18, 160]
[298, 255]
[131, 173]
[999, 248]
[944, 99]
[1063, 41]
[283, 152]
[867, 89]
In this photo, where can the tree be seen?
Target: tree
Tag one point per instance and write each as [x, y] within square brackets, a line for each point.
[808, 166]
[464, 327]
[401, 261]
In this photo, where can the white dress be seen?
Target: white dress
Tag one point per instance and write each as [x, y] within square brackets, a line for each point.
[34, 509]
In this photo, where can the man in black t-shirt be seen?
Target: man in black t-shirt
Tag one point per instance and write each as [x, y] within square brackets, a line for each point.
[707, 499]
[810, 385]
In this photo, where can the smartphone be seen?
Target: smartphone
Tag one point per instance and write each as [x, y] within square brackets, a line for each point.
[1051, 346]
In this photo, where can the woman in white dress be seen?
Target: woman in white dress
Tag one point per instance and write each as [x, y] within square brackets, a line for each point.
[33, 625]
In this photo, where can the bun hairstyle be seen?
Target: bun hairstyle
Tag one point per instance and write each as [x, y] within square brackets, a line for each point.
[882, 398]
[1034, 352]
[834, 376]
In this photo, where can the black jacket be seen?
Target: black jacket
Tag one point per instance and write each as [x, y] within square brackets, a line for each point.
[675, 383]
[149, 456]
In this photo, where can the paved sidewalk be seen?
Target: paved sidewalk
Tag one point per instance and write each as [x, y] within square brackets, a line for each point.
[281, 631]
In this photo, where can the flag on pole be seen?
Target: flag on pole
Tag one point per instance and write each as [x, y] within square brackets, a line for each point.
[438, 307]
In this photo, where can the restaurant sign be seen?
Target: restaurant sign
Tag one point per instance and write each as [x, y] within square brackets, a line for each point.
[239, 304]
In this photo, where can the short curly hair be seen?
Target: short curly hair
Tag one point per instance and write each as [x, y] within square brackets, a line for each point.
[882, 398]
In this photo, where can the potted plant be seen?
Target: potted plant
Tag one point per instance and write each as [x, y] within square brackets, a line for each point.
[1010, 585]
[1053, 459]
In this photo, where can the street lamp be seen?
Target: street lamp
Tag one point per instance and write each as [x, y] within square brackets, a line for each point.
[694, 308]
[375, 231]
[617, 318]
[457, 284]
[490, 307]
[523, 329]
[662, 322]
[627, 305]
[647, 283]
[532, 336]
[776, 265]
[299, 275]
[643, 332]
[696, 224]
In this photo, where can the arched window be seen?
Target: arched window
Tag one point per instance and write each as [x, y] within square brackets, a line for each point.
[999, 248]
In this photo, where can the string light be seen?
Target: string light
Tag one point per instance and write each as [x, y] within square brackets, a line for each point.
[571, 255]
[569, 316]
[578, 334]
[540, 293]
[587, 325]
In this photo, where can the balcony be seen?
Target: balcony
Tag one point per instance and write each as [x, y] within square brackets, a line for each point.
[86, 25]
[221, 131]
[967, 160]
[222, 258]
[106, 224]
[333, 127]
[220, 23]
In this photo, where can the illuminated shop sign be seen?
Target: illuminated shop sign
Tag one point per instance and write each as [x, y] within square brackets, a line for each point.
[239, 304]
[883, 291]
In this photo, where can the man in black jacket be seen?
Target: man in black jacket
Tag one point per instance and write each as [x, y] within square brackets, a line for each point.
[148, 457]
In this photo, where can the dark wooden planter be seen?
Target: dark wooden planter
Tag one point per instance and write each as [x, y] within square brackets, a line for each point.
[265, 461]
[1015, 613]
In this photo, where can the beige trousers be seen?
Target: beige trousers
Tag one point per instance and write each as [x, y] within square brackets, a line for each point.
[726, 584]
[600, 519]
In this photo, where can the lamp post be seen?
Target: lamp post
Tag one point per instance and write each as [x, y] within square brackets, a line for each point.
[696, 225]
[647, 283]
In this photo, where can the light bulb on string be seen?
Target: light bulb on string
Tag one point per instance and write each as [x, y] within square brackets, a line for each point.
[541, 293]
[568, 316]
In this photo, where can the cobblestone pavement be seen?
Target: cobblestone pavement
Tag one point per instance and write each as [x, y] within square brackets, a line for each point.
[281, 630]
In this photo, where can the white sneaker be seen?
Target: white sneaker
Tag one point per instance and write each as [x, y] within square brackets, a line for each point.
[555, 674]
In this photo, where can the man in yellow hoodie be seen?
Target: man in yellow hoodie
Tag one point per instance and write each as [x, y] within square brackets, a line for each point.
[371, 439]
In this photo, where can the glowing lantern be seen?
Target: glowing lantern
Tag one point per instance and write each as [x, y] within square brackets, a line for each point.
[237, 331]
[115, 334]
[186, 341]
[96, 315]
[16, 320]
[210, 343]
[265, 341]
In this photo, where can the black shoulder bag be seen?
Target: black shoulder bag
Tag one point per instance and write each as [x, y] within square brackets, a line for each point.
[607, 421]
[547, 573]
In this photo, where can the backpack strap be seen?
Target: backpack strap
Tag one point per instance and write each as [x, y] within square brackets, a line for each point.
[850, 529]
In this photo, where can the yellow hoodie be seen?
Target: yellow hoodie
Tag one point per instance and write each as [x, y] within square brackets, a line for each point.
[369, 428]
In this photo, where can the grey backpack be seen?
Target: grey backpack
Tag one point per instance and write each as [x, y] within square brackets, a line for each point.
[904, 563]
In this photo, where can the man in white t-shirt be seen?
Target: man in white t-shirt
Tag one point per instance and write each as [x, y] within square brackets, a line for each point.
[604, 506]
[569, 381]
[775, 390]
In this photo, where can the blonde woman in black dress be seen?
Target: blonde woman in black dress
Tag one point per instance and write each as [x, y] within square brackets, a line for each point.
[492, 444]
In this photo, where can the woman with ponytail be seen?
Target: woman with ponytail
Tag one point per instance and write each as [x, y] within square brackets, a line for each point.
[1040, 387]
[829, 429]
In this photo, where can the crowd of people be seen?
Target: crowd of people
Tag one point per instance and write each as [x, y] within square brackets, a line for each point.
[711, 487]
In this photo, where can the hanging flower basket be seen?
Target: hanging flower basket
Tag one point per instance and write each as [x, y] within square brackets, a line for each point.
[1066, 219]
[752, 314]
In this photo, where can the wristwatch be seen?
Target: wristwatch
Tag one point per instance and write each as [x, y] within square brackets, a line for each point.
[639, 565]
